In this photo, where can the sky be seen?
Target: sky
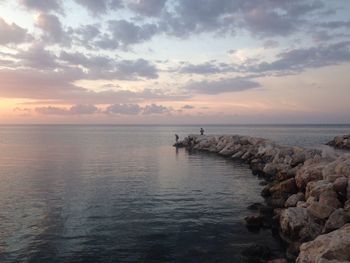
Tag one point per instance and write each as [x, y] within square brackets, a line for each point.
[175, 61]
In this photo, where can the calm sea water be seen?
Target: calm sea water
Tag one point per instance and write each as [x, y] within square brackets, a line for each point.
[123, 194]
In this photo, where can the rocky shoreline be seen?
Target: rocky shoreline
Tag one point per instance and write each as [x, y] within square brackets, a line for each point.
[340, 142]
[307, 194]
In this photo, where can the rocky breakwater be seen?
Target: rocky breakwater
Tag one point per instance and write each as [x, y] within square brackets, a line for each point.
[340, 142]
[307, 195]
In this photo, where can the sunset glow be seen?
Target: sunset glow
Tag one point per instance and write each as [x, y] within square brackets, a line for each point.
[159, 61]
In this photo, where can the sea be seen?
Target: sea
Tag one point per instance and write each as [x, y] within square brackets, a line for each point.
[119, 193]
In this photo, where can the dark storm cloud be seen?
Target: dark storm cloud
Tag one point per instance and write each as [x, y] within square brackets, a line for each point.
[222, 86]
[11, 33]
[42, 5]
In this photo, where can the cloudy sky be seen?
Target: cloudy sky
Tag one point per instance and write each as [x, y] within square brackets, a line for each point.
[175, 61]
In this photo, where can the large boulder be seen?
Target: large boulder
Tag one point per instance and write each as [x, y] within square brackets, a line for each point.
[336, 220]
[320, 211]
[331, 247]
[297, 225]
[308, 173]
[315, 188]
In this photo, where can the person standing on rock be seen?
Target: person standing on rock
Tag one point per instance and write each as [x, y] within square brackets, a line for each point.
[201, 131]
[176, 137]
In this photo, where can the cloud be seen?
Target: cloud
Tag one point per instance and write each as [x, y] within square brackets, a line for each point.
[300, 59]
[11, 33]
[74, 110]
[155, 109]
[127, 33]
[139, 67]
[147, 7]
[222, 86]
[205, 68]
[40, 5]
[58, 86]
[270, 44]
[100, 6]
[121, 109]
[51, 25]
[87, 33]
[335, 24]
[126, 109]
[187, 107]
[37, 57]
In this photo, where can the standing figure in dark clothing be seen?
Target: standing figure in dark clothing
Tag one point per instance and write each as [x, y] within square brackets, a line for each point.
[201, 131]
[176, 137]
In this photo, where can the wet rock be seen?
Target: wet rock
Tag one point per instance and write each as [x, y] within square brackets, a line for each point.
[287, 186]
[294, 199]
[256, 253]
[336, 220]
[331, 247]
[254, 222]
[255, 206]
[270, 169]
[277, 260]
[341, 142]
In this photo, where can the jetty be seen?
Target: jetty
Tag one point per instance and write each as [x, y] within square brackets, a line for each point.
[307, 193]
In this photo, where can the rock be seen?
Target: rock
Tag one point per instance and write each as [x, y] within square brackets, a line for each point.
[330, 199]
[294, 199]
[297, 225]
[277, 260]
[341, 142]
[340, 185]
[270, 169]
[302, 204]
[255, 206]
[320, 211]
[254, 222]
[331, 247]
[315, 188]
[256, 253]
[308, 173]
[336, 220]
[293, 250]
[287, 186]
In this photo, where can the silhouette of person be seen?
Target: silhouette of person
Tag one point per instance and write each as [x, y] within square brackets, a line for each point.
[201, 131]
[176, 137]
